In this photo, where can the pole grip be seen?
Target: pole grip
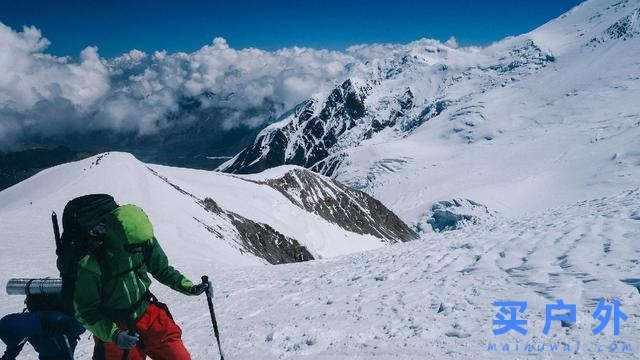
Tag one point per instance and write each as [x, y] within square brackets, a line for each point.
[56, 232]
[205, 280]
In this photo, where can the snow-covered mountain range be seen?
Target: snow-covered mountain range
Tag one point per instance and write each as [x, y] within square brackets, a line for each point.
[555, 111]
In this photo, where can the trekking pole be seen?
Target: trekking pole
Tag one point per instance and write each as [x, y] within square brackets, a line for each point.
[125, 354]
[205, 280]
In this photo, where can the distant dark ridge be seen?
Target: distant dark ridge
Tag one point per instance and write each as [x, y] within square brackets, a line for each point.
[20, 165]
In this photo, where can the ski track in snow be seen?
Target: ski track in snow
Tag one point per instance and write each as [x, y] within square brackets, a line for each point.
[431, 298]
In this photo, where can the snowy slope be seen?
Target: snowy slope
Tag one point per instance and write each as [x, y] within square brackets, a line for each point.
[429, 298]
[425, 298]
[264, 204]
[211, 219]
[174, 199]
[432, 298]
[538, 120]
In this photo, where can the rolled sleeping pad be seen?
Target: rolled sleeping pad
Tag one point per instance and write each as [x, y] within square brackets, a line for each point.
[34, 286]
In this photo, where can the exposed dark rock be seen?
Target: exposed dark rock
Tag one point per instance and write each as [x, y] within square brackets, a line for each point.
[625, 28]
[264, 241]
[307, 139]
[429, 112]
[268, 149]
[258, 239]
[211, 206]
[351, 209]
[329, 165]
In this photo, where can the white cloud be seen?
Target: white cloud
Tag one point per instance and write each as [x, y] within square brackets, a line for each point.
[42, 94]
[30, 79]
[452, 42]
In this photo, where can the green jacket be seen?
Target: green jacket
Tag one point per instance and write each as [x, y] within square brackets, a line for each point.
[116, 282]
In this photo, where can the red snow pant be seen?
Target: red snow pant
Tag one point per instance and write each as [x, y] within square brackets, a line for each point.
[160, 338]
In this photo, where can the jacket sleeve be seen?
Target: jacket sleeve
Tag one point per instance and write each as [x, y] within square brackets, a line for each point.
[158, 266]
[87, 300]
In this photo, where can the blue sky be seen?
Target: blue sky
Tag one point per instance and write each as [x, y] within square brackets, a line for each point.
[118, 26]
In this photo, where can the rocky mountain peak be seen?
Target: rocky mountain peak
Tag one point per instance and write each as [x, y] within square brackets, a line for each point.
[350, 209]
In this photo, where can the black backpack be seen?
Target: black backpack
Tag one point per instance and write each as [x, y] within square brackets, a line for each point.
[79, 219]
